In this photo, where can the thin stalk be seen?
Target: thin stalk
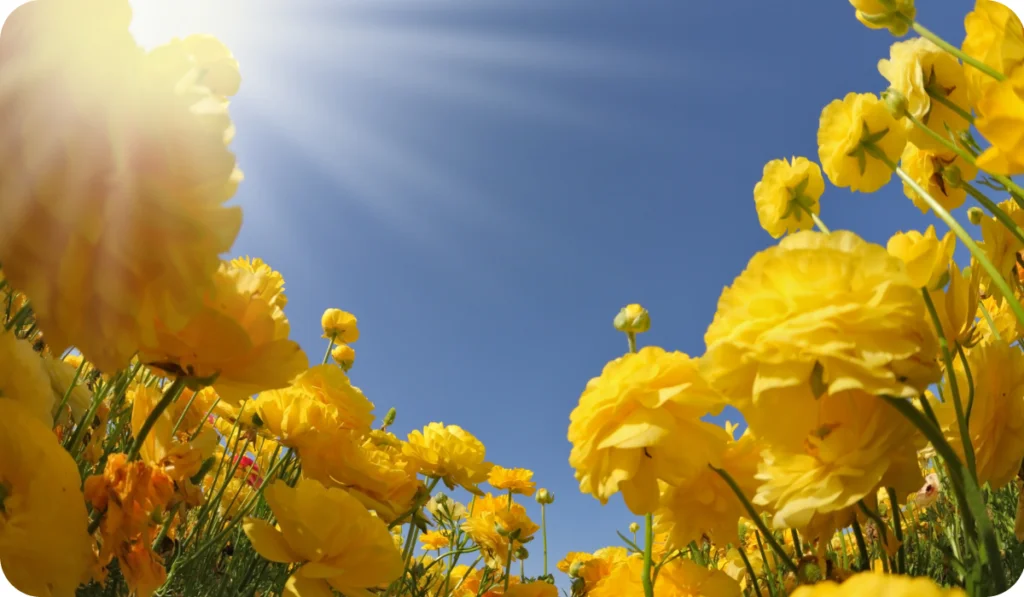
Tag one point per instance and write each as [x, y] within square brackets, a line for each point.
[947, 360]
[769, 576]
[814, 218]
[935, 39]
[796, 544]
[945, 101]
[184, 412]
[988, 319]
[995, 210]
[901, 560]
[757, 519]
[646, 579]
[508, 564]
[862, 547]
[970, 382]
[327, 355]
[750, 570]
[67, 393]
[170, 395]
[544, 534]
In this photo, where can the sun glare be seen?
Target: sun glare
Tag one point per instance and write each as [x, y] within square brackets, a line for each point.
[365, 89]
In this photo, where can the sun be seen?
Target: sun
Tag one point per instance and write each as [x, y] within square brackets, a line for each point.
[155, 22]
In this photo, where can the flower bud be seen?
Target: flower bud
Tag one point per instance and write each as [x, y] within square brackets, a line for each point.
[544, 497]
[975, 215]
[633, 527]
[951, 174]
[895, 102]
[632, 319]
[501, 530]
[522, 553]
[574, 570]
[389, 419]
[440, 498]
[344, 355]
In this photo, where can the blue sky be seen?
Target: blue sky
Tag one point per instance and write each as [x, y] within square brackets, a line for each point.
[485, 188]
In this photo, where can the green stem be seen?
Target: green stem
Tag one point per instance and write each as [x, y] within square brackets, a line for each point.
[19, 317]
[67, 393]
[757, 519]
[988, 319]
[862, 547]
[646, 579]
[508, 564]
[945, 101]
[769, 576]
[165, 527]
[327, 355]
[170, 395]
[954, 386]
[184, 412]
[796, 544]
[750, 569]
[1000, 214]
[972, 504]
[901, 561]
[544, 534]
[935, 39]
[970, 383]
[814, 217]
[631, 337]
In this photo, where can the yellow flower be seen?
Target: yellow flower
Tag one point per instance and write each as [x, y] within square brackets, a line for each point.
[632, 319]
[849, 132]
[537, 588]
[870, 583]
[23, 379]
[996, 38]
[451, 453]
[914, 68]
[383, 479]
[734, 566]
[1000, 115]
[516, 480]
[957, 306]
[625, 430]
[1007, 327]
[270, 283]
[827, 454]
[678, 578]
[925, 167]
[434, 540]
[704, 505]
[997, 418]
[143, 570]
[880, 14]
[238, 342]
[340, 326]
[218, 68]
[1001, 246]
[491, 513]
[134, 219]
[294, 418]
[329, 532]
[44, 546]
[786, 192]
[180, 460]
[344, 355]
[927, 259]
[818, 314]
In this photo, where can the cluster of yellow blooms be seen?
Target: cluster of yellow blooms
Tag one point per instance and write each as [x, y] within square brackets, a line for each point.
[160, 433]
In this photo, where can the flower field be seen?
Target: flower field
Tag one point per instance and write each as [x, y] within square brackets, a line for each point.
[161, 433]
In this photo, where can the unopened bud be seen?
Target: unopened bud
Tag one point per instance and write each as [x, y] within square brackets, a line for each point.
[895, 102]
[574, 570]
[975, 215]
[544, 496]
[632, 319]
[501, 530]
[633, 527]
[389, 419]
[522, 553]
[951, 174]
[440, 498]
[344, 355]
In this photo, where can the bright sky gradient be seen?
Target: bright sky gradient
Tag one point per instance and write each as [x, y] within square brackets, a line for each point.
[485, 183]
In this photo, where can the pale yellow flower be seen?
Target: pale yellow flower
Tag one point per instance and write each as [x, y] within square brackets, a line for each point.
[787, 194]
[926, 257]
[996, 38]
[926, 167]
[847, 131]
